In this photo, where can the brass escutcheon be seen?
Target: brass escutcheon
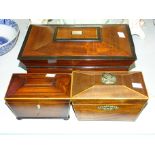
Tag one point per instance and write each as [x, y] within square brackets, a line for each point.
[108, 107]
[108, 78]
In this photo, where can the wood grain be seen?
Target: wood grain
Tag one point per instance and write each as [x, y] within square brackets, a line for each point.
[39, 95]
[120, 101]
[127, 111]
[47, 108]
[41, 50]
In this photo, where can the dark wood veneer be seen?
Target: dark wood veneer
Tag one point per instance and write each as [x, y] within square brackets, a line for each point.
[40, 49]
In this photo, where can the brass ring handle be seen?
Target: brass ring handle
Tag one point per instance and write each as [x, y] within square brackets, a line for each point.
[108, 107]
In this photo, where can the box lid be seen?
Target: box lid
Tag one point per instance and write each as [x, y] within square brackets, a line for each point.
[39, 86]
[96, 85]
[78, 42]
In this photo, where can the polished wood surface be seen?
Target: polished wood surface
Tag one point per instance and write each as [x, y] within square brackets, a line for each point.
[39, 95]
[70, 69]
[89, 110]
[93, 63]
[123, 100]
[65, 66]
[41, 49]
[40, 43]
[39, 108]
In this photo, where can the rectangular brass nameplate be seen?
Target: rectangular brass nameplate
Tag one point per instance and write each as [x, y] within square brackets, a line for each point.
[76, 32]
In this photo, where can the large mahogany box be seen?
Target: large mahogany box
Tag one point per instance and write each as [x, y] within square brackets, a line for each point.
[102, 95]
[39, 95]
[65, 48]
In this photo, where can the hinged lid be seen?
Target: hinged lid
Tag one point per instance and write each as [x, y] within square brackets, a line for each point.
[108, 85]
[39, 86]
[103, 42]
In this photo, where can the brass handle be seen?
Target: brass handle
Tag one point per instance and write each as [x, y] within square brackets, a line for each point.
[108, 107]
[38, 106]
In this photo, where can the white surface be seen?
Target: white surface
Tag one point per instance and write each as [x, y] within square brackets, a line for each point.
[145, 124]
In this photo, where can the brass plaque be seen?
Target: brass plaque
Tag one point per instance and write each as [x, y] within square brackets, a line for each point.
[76, 32]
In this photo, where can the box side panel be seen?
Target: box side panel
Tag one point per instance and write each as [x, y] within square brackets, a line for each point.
[108, 110]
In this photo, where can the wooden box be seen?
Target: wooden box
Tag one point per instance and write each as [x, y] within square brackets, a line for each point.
[39, 95]
[65, 48]
[102, 95]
